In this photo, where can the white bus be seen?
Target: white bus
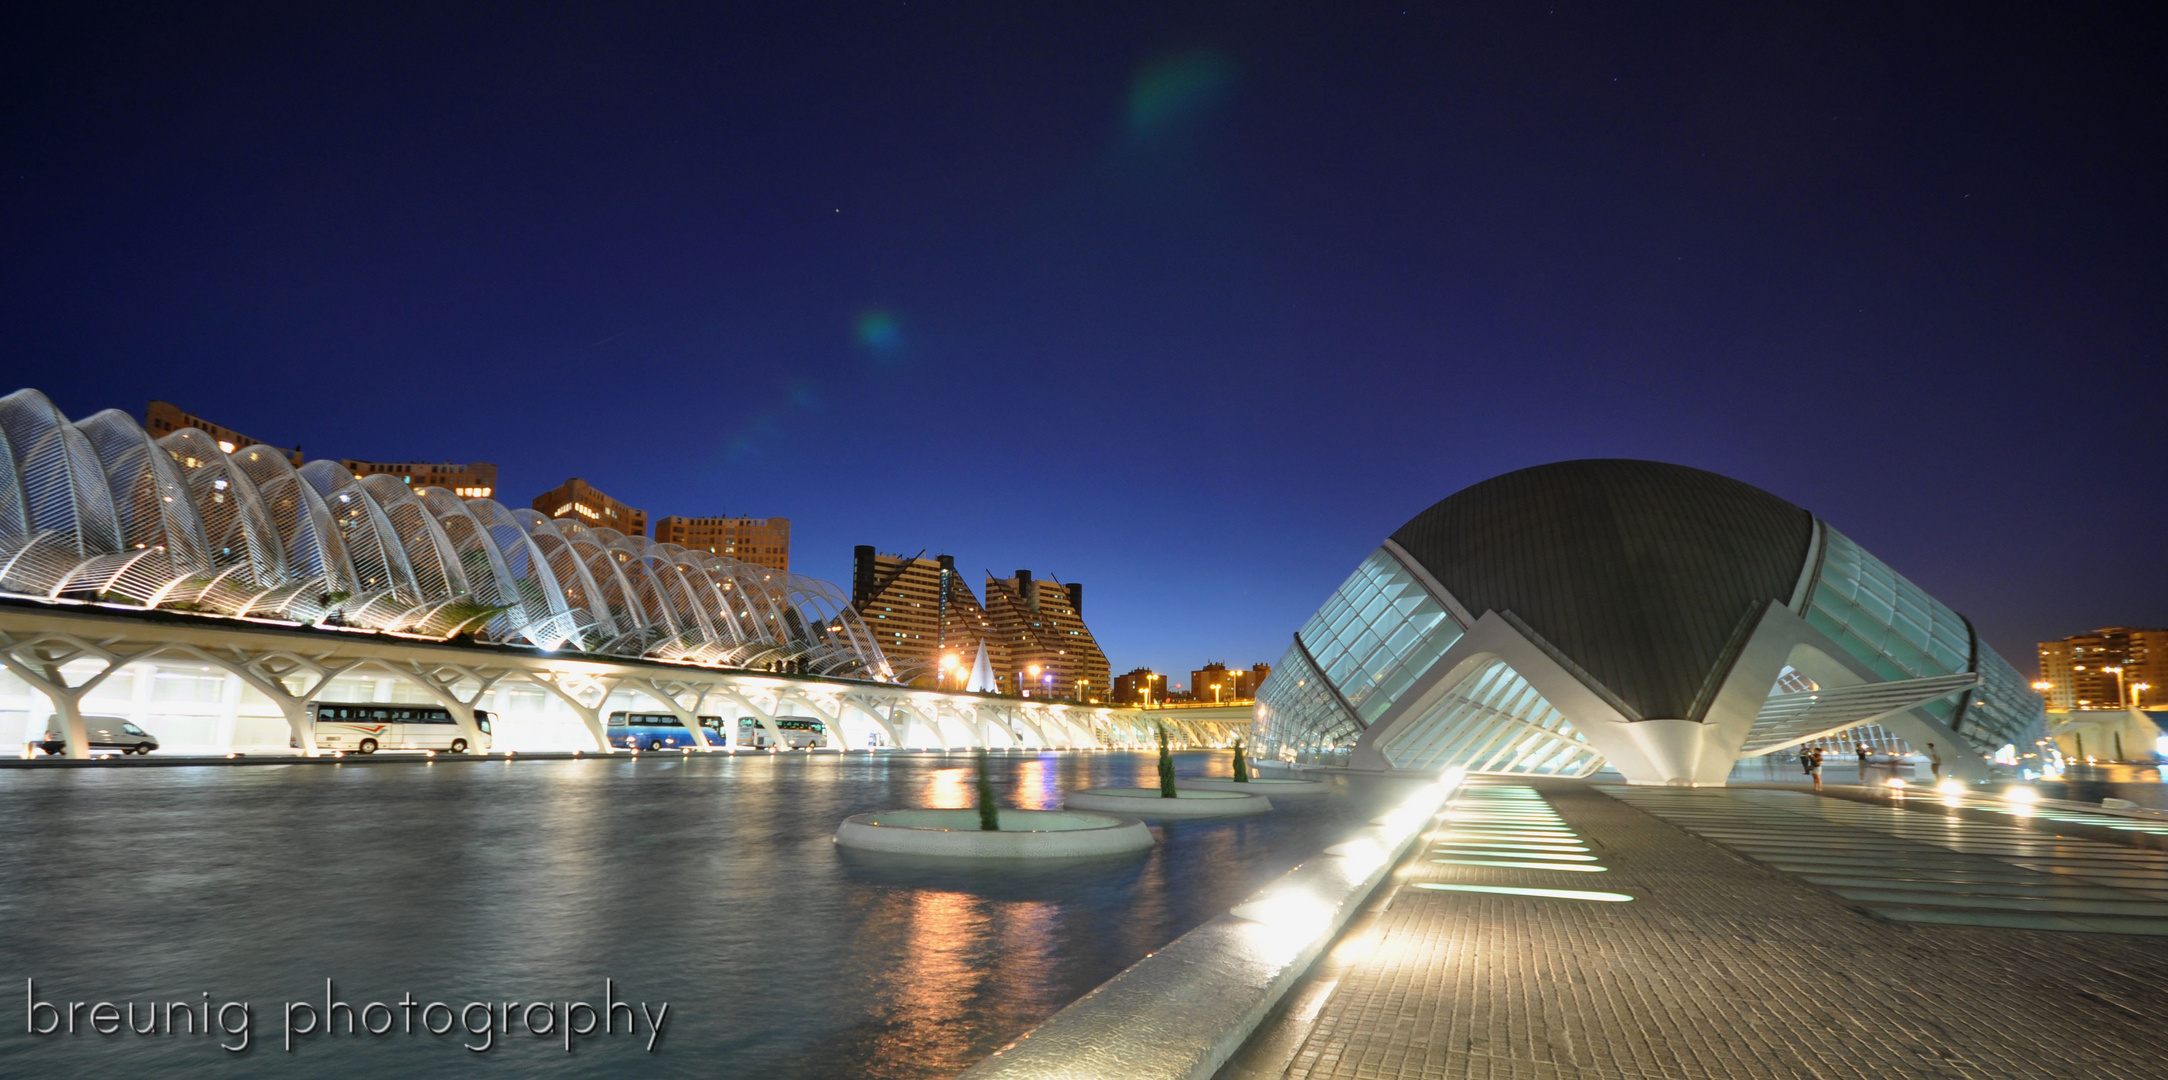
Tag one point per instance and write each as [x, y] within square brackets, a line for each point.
[366, 729]
[799, 732]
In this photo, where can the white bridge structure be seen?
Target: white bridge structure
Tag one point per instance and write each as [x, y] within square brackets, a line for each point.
[219, 685]
[211, 594]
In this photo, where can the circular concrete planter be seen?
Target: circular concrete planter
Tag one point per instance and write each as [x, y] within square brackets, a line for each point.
[1146, 802]
[1257, 785]
[1025, 834]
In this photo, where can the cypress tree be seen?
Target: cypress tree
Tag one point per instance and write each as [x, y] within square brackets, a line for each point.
[989, 812]
[1166, 766]
[1242, 765]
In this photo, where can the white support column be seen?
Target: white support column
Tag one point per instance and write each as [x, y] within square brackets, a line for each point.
[835, 721]
[981, 735]
[40, 661]
[229, 711]
[266, 673]
[441, 682]
[687, 715]
[931, 722]
[1038, 728]
[855, 701]
[568, 688]
[982, 731]
[761, 716]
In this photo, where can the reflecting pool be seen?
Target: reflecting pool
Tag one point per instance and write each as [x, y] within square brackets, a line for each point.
[709, 883]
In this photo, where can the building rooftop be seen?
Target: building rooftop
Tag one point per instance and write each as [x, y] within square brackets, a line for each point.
[1640, 572]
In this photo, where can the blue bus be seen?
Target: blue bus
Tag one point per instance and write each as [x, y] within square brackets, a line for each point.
[660, 731]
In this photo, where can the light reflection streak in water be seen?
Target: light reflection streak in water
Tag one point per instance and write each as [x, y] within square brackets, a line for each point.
[950, 789]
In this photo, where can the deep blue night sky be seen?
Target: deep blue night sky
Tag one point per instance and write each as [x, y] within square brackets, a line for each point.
[1192, 304]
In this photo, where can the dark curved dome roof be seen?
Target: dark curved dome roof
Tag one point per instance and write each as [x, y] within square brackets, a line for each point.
[1639, 572]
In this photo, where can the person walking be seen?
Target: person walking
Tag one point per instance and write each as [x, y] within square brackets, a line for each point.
[1934, 761]
[1863, 754]
[1814, 766]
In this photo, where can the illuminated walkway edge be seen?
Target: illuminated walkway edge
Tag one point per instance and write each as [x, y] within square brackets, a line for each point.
[1181, 1012]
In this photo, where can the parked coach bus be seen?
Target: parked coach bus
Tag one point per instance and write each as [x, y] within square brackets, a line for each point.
[800, 733]
[366, 729]
[659, 731]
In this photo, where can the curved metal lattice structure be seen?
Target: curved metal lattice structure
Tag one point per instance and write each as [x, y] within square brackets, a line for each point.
[98, 510]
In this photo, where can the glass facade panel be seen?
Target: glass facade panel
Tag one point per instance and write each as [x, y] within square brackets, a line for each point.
[1882, 618]
[1299, 718]
[2003, 710]
[1900, 632]
[1377, 634]
[1492, 721]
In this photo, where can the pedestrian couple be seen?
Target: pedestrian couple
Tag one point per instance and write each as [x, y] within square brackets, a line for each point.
[1810, 760]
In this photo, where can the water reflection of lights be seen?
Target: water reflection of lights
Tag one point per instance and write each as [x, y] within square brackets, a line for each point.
[950, 789]
[1038, 787]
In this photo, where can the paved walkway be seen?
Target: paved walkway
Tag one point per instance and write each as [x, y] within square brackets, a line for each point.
[1718, 967]
[1910, 866]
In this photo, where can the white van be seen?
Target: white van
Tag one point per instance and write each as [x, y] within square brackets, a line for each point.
[104, 732]
[366, 729]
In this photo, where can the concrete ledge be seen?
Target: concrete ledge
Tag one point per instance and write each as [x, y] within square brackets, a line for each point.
[1181, 1012]
[1148, 802]
[1024, 834]
[1256, 785]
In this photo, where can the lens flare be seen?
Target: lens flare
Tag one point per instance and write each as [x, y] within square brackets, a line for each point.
[1177, 89]
[879, 331]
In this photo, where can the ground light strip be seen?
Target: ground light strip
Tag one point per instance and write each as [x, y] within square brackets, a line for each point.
[1562, 894]
[1492, 853]
[1524, 865]
[1511, 828]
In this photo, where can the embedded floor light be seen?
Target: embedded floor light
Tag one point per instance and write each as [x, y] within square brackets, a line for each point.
[1504, 890]
[1355, 948]
[1294, 910]
[1365, 855]
[1491, 851]
[1523, 865]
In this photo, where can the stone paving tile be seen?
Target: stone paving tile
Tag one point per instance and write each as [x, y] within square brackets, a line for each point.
[1718, 969]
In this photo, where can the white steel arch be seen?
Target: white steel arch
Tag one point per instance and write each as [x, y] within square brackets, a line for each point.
[100, 511]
